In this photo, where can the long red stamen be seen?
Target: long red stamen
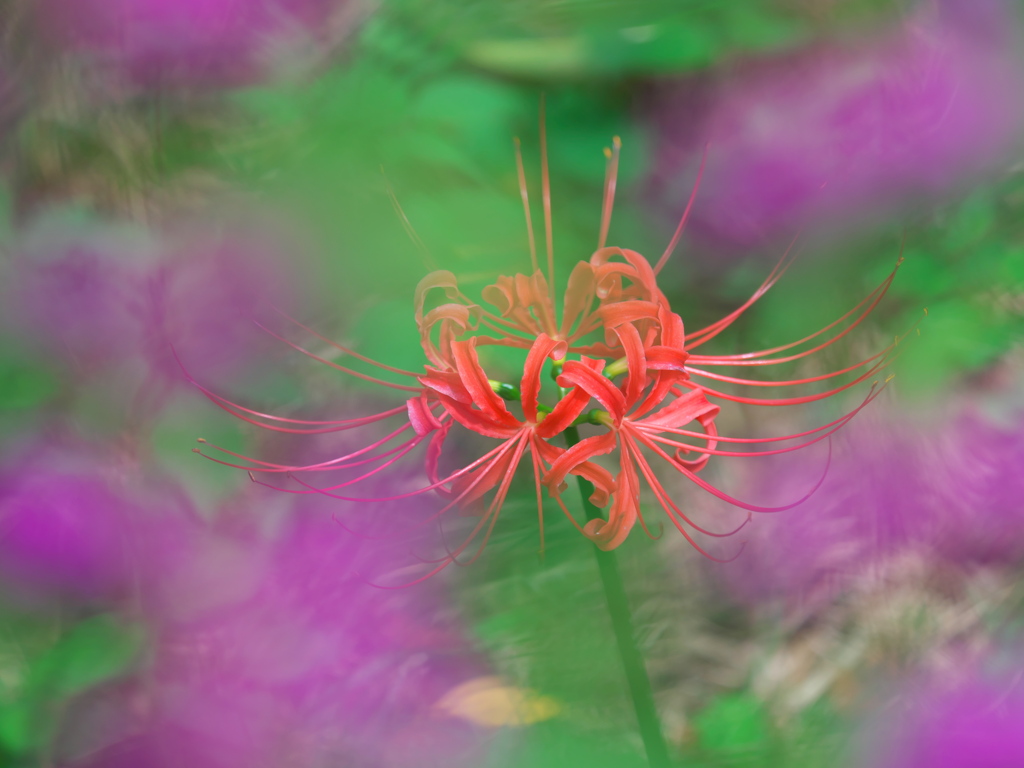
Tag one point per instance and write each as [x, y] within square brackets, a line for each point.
[872, 394]
[546, 197]
[720, 325]
[341, 368]
[494, 509]
[486, 458]
[537, 471]
[798, 400]
[626, 447]
[490, 517]
[686, 215]
[661, 493]
[787, 382]
[525, 195]
[611, 176]
[436, 516]
[725, 496]
[346, 350]
[773, 452]
[425, 254]
[274, 468]
[874, 297]
[237, 410]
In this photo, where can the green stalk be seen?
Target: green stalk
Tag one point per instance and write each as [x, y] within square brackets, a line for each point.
[622, 624]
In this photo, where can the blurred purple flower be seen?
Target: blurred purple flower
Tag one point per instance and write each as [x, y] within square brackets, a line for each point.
[96, 298]
[835, 133]
[954, 491]
[184, 42]
[62, 531]
[79, 294]
[273, 649]
[77, 521]
[202, 303]
[974, 725]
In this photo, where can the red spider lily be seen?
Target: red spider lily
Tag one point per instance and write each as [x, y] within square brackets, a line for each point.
[612, 322]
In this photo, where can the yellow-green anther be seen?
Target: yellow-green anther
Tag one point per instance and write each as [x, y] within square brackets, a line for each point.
[556, 368]
[617, 367]
[505, 391]
[595, 416]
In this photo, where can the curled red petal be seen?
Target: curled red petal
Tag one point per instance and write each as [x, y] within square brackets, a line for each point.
[467, 363]
[544, 347]
[684, 409]
[664, 358]
[447, 383]
[421, 417]
[623, 512]
[576, 374]
[500, 295]
[583, 451]
[478, 421]
[441, 279]
[636, 361]
[569, 407]
[631, 311]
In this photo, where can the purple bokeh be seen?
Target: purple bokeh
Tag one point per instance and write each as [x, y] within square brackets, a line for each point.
[184, 42]
[80, 520]
[893, 487]
[94, 299]
[844, 131]
[272, 646]
[80, 297]
[976, 724]
[63, 532]
[202, 301]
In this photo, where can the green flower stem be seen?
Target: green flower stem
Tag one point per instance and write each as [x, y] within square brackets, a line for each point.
[622, 623]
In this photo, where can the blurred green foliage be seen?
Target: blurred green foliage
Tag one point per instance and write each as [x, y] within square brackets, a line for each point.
[86, 654]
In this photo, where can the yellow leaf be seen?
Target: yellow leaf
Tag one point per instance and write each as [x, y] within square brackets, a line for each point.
[488, 701]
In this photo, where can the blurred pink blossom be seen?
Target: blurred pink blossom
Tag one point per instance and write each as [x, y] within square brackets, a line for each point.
[81, 521]
[838, 132]
[272, 647]
[975, 724]
[79, 293]
[96, 297]
[203, 299]
[953, 491]
[184, 42]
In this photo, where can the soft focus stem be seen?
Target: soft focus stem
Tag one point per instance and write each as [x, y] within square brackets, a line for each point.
[622, 623]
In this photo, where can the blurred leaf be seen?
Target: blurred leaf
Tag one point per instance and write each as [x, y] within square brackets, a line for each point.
[93, 651]
[956, 337]
[972, 221]
[556, 744]
[733, 722]
[23, 387]
[488, 701]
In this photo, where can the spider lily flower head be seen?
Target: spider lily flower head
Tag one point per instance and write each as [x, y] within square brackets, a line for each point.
[622, 361]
